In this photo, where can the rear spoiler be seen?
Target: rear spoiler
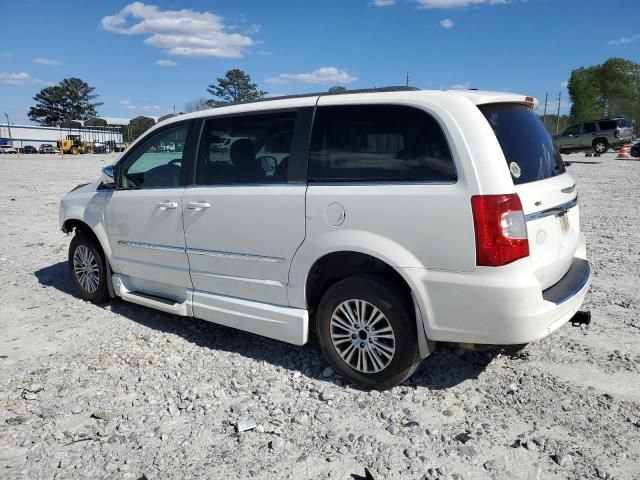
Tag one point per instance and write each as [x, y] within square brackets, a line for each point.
[481, 97]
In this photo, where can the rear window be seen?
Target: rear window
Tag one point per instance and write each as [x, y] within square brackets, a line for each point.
[526, 144]
[623, 122]
[364, 143]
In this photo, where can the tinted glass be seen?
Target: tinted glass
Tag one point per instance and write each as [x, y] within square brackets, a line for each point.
[528, 148]
[157, 162]
[573, 130]
[378, 143]
[589, 127]
[248, 149]
[607, 124]
[623, 122]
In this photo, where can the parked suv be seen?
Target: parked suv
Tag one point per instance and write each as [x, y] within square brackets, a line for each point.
[7, 149]
[29, 149]
[47, 148]
[384, 221]
[598, 135]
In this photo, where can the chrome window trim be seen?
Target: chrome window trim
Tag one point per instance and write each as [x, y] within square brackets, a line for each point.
[374, 183]
[557, 210]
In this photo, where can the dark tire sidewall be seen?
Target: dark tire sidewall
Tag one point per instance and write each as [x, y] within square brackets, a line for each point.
[101, 294]
[598, 142]
[395, 306]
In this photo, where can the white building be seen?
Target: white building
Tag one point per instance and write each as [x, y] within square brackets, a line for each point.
[97, 129]
[21, 135]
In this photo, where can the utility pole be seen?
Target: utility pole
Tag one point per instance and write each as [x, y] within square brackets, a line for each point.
[558, 116]
[407, 78]
[9, 129]
[544, 115]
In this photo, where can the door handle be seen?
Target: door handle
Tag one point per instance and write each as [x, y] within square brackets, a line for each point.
[167, 205]
[198, 205]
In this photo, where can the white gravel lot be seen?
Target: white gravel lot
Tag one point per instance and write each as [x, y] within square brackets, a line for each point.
[125, 392]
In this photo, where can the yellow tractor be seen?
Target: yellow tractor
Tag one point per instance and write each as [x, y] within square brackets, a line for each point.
[73, 144]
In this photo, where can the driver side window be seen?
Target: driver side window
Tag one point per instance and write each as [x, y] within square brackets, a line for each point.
[157, 162]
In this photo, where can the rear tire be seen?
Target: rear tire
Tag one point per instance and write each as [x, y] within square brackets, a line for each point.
[367, 332]
[88, 268]
[600, 146]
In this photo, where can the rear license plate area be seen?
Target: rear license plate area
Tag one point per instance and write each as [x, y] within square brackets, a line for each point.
[563, 218]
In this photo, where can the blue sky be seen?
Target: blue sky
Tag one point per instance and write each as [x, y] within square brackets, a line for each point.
[144, 58]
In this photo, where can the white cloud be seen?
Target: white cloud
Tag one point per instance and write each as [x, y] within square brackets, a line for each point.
[447, 23]
[321, 76]
[384, 3]
[166, 63]
[46, 61]
[564, 84]
[151, 109]
[624, 40]
[16, 78]
[127, 104]
[183, 32]
[458, 3]
[464, 86]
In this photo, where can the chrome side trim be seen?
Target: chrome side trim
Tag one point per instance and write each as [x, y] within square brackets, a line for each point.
[272, 283]
[557, 210]
[199, 251]
[234, 256]
[151, 246]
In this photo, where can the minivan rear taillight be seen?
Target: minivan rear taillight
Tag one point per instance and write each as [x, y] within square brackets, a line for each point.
[501, 231]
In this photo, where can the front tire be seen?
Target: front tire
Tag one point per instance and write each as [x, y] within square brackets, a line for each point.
[88, 268]
[366, 330]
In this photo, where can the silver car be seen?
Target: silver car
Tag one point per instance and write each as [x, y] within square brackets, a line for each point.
[598, 135]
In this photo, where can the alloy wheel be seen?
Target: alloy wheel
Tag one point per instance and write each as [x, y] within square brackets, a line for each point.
[85, 267]
[362, 335]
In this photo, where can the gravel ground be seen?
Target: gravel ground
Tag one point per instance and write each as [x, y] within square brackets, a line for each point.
[124, 392]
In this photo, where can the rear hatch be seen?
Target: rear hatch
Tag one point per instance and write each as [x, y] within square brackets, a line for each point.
[625, 127]
[548, 194]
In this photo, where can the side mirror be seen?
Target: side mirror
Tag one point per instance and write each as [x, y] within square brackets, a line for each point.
[107, 176]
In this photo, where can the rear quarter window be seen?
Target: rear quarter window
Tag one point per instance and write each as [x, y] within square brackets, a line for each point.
[608, 125]
[526, 144]
[365, 143]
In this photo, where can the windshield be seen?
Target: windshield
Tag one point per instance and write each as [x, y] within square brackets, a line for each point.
[526, 144]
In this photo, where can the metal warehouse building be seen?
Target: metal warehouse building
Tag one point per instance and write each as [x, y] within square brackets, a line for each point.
[97, 129]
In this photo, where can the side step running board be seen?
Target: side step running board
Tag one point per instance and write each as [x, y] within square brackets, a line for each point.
[159, 303]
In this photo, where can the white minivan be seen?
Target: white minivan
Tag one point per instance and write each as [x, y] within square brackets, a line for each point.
[383, 221]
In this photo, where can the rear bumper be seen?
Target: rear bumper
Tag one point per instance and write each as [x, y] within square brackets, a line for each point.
[573, 282]
[499, 306]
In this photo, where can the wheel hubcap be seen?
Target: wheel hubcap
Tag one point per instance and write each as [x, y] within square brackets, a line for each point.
[362, 335]
[85, 267]
[599, 147]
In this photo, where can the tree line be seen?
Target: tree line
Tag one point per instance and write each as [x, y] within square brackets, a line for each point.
[608, 90]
